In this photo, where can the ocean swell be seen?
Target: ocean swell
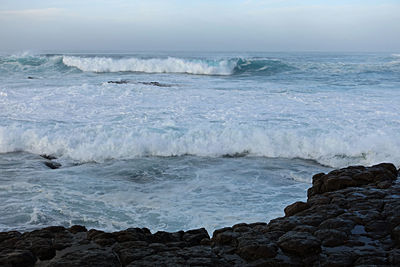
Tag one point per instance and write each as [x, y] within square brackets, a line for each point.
[27, 63]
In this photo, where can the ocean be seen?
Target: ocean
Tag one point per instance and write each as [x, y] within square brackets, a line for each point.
[176, 141]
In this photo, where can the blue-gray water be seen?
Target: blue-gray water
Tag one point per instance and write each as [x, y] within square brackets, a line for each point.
[221, 138]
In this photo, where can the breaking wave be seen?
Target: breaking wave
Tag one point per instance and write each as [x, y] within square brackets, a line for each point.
[176, 65]
[98, 144]
[153, 65]
[63, 63]
[202, 66]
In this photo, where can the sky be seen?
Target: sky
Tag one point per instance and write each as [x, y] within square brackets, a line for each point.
[202, 25]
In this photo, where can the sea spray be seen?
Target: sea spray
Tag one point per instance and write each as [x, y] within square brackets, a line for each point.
[238, 142]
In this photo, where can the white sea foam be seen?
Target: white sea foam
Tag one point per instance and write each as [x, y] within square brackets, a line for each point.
[154, 65]
[99, 144]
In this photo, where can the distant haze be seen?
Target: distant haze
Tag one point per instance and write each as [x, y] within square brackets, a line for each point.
[224, 25]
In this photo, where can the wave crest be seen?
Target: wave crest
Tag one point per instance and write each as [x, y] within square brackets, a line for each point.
[153, 65]
[103, 143]
[177, 65]
[64, 63]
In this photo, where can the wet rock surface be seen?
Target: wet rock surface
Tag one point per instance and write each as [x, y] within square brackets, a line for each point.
[351, 218]
[158, 84]
[50, 161]
[119, 82]
[52, 164]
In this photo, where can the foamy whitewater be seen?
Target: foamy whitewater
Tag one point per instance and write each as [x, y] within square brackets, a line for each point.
[180, 141]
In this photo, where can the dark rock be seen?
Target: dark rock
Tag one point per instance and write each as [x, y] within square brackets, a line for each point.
[180, 244]
[379, 227]
[86, 258]
[384, 184]
[39, 242]
[396, 234]
[390, 211]
[48, 157]
[299, 243]
[194, 237]
[125, 236]
[52, 165]
[352, 176]
[104, 241]
[331, 237]
[394, 257]
[158, 247]
[237, 154]
[62, 241]
[205, 242]
[161, 259]
[225, 238]
[318, 200]
[130, 244]
[9, 243]
[305, 228]
[371, 261]
[338, 224]
[284, 224]
[16, 258]
[135, 234]
[144, 231]
[241, 227]
[162, 236]
[338, 259]
[200, 262]
[295, 208]
[55, 229]
[43, 249]
[101, 238]
[221, 231]
[43, 233]
[257, 224]
[257, 251]
[77, 228]
[9, 235]
[92, 233]
[156, 84]
[127, 256]
[119, 82]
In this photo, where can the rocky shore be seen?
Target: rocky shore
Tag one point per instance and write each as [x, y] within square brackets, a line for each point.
[351, 218]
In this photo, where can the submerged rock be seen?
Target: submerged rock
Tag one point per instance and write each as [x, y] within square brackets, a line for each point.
[52, 164]
[237, 154]
[156, 84]
[119, 82]
[48, 157]
[349, 219]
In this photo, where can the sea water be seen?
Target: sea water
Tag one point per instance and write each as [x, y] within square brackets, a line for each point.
[176, 141]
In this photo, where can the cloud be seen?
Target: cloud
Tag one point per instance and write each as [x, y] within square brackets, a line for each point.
[42, 13]
[203, 25]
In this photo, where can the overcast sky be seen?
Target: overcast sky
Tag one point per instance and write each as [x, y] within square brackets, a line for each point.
[218, 25]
